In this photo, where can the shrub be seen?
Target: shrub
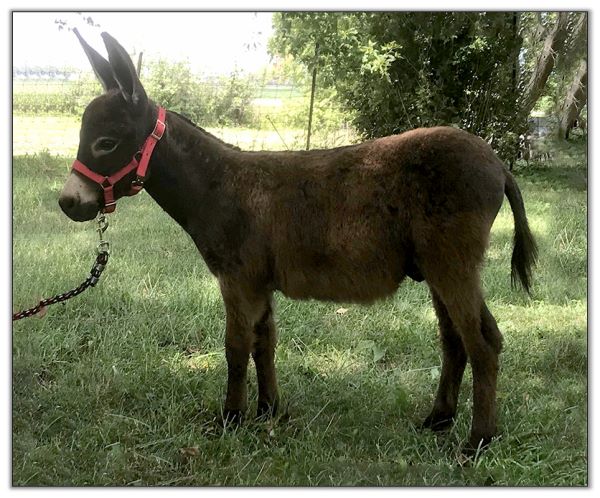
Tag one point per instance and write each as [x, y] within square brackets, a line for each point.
[68, 97]
[217, 102]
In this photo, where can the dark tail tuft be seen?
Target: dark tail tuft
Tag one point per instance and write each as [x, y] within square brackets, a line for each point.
[525, 251]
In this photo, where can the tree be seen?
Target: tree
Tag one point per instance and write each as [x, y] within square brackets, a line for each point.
[556, 45]
[575, 100]
[571, 97]
[398, 71]
[554, 40]
[66, 24]
[483, 72]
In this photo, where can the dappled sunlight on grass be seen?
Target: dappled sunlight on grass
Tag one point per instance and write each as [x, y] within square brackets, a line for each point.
[504, 222]
[334, 362]
[542, 316]
[197, 362]
[205, 362]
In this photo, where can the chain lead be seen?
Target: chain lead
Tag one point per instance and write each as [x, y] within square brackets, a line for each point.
[91, 281]
[103, 246]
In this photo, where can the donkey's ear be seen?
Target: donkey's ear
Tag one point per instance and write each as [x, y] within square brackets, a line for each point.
[99, 64]
[124, 72]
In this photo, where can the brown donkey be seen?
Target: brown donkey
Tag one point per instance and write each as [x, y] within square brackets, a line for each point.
[346, 224]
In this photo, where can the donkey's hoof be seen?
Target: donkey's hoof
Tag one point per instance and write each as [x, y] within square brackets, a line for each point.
[232, 418]
[438, 422]
[266, 410]
[475, 447]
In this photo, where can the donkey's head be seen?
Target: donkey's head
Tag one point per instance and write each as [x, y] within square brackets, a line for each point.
[113, 127]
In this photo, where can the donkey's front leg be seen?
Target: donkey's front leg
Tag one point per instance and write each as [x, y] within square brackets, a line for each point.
[264, 355]
[243, 309]
[238, 344]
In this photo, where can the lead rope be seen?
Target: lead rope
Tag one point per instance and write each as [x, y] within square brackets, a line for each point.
[99, 265]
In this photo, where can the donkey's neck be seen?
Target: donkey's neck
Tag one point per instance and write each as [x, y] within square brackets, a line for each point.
[187, 170]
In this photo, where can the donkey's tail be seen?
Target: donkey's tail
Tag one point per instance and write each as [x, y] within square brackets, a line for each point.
[525, 251]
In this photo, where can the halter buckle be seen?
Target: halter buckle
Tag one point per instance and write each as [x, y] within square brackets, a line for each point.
[138, 183]
[159, 129]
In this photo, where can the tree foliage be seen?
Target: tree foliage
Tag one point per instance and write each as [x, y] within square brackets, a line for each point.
[563, 95]
[403, 70]
[554, 37]
[575, 99]
[223, 100]
[482, 72]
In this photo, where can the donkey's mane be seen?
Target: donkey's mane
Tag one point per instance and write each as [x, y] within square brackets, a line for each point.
[204, 132]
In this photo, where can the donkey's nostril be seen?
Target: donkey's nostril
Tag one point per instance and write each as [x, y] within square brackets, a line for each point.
[77, 210]
[66, 203]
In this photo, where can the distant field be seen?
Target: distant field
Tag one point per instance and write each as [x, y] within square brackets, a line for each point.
[54, 86]
[49, 86]
[60, 135]
[69, 97]
[264, 116]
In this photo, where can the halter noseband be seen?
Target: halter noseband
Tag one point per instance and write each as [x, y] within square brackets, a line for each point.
[144, 154]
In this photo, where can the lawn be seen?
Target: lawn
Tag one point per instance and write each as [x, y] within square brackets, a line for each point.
[122, 385]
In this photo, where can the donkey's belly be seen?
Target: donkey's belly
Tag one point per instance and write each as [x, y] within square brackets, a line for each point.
[352, 255]
[365, 282]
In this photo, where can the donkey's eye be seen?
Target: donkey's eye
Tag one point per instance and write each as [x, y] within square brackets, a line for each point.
[106, 144]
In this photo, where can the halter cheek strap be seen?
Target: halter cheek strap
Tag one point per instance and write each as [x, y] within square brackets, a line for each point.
[139, 162]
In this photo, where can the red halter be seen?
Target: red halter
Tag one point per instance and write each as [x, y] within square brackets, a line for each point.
[144, 154]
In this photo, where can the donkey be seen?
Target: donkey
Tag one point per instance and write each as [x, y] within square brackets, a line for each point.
[345, 224]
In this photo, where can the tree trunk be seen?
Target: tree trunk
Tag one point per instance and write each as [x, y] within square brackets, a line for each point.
[578, 35]
[515, 80]
[574, 101]
[138, 69]
[553, 43]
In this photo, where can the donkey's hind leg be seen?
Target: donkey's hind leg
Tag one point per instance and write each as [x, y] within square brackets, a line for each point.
[265, 337]
[453, 366]
[461, 294]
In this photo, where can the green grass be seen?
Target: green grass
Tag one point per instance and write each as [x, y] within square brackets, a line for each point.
[42, 87]
[122, 384]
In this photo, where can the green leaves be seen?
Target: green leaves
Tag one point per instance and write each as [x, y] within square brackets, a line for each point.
[224, 100]
[378, 60]
[400, 70]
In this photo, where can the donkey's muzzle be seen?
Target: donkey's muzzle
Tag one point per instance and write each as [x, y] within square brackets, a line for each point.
[76, 210]
[79, 199]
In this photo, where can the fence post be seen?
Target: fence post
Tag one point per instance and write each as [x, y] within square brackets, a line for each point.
[312, 95]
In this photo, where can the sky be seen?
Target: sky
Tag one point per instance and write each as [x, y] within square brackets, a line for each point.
[213, 42]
